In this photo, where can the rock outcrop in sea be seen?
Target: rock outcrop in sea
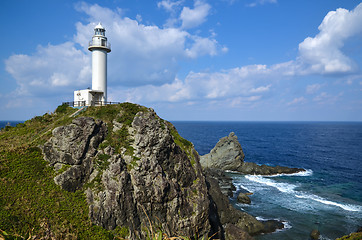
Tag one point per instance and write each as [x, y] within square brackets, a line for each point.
[136, 170]
[228, 155]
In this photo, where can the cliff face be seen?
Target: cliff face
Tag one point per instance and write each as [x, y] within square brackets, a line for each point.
[132, 168]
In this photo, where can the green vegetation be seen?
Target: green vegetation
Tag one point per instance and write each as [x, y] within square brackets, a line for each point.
[185, 145]
[32, 205]
[30, 201]
[352, 236]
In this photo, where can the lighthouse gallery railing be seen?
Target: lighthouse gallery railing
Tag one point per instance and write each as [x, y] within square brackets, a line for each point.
[99, 44]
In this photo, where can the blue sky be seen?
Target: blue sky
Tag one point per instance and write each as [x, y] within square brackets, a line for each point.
[231, 60]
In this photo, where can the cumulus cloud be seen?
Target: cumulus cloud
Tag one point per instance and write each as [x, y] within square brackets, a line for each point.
[239, 85]
[145, 54]
[194, 17]
[51, 69]
[323, 53]
[170, 5]
[141, 54]
[260, 2]
[296, 101]
[311, 89]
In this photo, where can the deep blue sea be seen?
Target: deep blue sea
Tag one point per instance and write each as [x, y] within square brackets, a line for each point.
[9, 123]
[327, 197]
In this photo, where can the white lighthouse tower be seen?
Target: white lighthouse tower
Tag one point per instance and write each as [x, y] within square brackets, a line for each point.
[99, 47]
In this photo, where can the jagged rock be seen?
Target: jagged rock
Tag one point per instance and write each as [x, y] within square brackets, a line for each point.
[153, 175]
[243, 198]
[229, 215]
[314, 234]
[234, 233]
[253, 168]
[272, 225]
[72, 148]
[152, 178]
[225, 182]
[226, 155]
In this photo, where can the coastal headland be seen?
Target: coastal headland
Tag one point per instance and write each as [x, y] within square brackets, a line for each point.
[118, 172]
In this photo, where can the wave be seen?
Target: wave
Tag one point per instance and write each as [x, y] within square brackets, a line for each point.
[282, 187]
[290, 189]
[287, 225]
[347, 207]
[305, 173]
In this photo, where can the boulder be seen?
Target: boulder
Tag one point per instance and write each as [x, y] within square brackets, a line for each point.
[243, 198]
[226, 155]
[71, 150]
[314, 234]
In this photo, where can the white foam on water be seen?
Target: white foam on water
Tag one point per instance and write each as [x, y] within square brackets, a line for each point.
[347, 207]
[289, 189]
[261, 218]
[305, 173]
[241, 186]
[282, 187]
[287, 225]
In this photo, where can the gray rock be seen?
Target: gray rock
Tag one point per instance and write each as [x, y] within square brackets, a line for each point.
[158, 180]
[314, 234]
[253, 168]
[225, 182]
[229, 215]
[232, 232]
[243, 198]
[72, 147]
[226, 155]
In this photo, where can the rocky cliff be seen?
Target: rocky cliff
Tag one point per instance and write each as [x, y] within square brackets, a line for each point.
[137, 173]
[134, 169]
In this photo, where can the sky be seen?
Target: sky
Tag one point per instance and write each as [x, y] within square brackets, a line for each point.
[197, 60]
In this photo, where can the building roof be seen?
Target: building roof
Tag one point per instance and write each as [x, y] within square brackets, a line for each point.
[99, 26]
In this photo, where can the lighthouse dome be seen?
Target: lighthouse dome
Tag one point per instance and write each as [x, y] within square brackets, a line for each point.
[99, 26]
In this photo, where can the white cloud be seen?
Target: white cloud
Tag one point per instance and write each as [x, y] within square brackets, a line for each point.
[311, 89]
[239, 85]
[325, 98]
[169, 5]
[141, 55]
[297, 101]
[51, 69]
[323, 54]
[261, 89]
[260, 2]
[194, 17]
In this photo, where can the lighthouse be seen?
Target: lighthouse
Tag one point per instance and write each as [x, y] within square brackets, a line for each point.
[100, 47]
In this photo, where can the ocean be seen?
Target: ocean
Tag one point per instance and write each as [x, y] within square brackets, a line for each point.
[327, 197]
[9, 123]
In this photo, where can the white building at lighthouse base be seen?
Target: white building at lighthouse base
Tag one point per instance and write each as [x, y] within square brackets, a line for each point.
[88, 97]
